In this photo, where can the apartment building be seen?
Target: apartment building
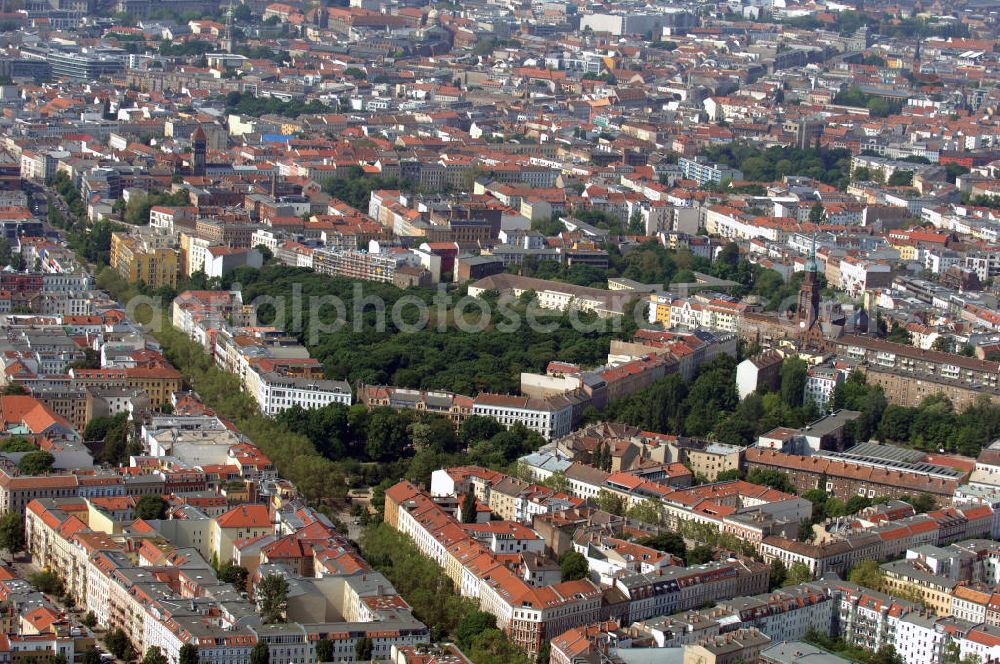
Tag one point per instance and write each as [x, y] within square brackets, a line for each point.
[741, 508]
[868, 619]
[195, 313]
[40, 166]
[907, 579]
[16, 491]
[69, 402]
[391, 267]
[743, 645]
[674, 589]
[150, 259]
[820, 383]
[859, 275]
[904, 388]
[786, 614]
[226, 233]
[46, 520]
[704, 311]
[170, 219]
[982, 642]
[833, 556]
[455, 407]
[985, 264]
[860, 616]
[749, 511]
[583, 643]
[557, 295]
[167, 596]
[551, 417]
[276, 392]
[632, 449]
[917, 362]
[510, 498]
[708, 458]
[847, 476]
[700, 170]
[611, 557]
[760, 371]
[194, 253]
[529, 615]
[158, 382]
[969, 602]
[882, 532]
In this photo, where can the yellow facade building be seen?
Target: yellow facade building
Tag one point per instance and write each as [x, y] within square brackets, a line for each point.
[146, 259]
[659, 309]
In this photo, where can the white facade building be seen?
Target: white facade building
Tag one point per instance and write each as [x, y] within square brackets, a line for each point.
[820, 383]
[276, 393]
[551, 417]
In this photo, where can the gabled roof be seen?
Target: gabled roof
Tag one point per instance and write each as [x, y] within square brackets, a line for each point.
[245, 516]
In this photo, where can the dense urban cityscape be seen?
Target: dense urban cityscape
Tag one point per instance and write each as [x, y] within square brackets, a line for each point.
[492, 332]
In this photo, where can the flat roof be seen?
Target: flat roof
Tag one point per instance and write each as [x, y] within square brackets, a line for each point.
[799, 652]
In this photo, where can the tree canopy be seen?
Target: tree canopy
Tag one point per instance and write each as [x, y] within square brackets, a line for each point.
[188, 654]
[137, 209]
[154, 656]
[151, 507]
[324, 650]
[666, 541]
[877, 106]
[432, 595]
[371, 349]
[355, 187]
[261, 653]
[272, 598]
[831, 167]
[363, 649]
[709, 407]
[471, 625]
[36, 463]
[12, 531]
[867, 573]
[230, 572]
[933, 425]
[247, 104]
[119, 644]
[573, 566]
[17, 444]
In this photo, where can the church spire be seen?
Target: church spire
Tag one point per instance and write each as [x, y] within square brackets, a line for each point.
[807, 311]
[811, 263]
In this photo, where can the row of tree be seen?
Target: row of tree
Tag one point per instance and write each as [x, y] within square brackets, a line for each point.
[318, 478]
[933, 425]
[432, 596]
[91, 242]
